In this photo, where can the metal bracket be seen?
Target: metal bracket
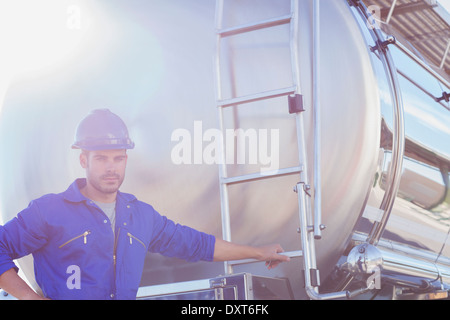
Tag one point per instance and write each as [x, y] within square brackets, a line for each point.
[354, 3]
[445, 96]
[382, 45]
[295, 103]
[306, 188]
[311, 273]
[315, 277]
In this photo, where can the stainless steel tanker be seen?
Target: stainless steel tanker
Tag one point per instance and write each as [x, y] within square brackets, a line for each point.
[299, 96]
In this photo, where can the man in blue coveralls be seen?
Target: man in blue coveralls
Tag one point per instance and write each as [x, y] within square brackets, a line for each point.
[100, 233]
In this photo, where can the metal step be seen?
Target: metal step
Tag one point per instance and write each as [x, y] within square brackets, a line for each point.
[260, 176]
[290, 254]
[256, 97]
[240, 286]
[244, 28]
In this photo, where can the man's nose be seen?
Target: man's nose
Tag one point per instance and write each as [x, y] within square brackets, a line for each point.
[110, 166]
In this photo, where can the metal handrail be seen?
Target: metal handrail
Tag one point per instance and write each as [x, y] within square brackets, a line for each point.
[308, 235]
[317, 123]
[290, 254]
[398, 141]
[398, 147]
[420, 62]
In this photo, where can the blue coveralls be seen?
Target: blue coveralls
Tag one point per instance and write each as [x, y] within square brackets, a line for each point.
[67, 231]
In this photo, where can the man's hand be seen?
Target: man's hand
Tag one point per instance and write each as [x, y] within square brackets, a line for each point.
[271, 254]
[225, 251]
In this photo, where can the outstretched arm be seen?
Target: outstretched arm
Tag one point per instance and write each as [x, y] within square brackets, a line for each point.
[225, 251]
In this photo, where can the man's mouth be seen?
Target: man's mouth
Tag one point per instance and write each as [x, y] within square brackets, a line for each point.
[110, 178]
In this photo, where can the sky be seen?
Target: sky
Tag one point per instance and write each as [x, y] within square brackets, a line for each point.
[445, 4]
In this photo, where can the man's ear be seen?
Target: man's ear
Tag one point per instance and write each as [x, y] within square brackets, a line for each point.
[83, 160]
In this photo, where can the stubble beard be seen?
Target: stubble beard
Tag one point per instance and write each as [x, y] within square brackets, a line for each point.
[105, 186]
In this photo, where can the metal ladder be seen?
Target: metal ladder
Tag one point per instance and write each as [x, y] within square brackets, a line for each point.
[293, 94]
[309, 229]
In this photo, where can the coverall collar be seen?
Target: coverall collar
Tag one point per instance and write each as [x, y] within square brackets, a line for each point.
[73, 193]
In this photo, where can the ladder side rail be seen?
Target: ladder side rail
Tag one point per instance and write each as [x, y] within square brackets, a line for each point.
[317, 123]
[311, 273]
[302, 188]
[224, 203]
[294, 46]
[307, 224]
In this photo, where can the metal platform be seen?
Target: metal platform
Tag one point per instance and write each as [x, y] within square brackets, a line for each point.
[242, 286]
[420, 24]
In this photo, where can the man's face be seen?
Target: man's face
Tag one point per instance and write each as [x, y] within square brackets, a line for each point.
[105, 169]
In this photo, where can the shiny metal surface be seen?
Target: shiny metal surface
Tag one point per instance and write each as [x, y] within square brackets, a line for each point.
[398, 136]
[364, 258]
[414, 222]
[398, 258]
[151, 63]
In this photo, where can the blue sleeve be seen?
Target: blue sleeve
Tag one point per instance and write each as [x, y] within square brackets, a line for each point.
[21, 236]
[175, 240]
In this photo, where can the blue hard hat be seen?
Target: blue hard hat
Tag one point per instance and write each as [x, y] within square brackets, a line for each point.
[102, 130]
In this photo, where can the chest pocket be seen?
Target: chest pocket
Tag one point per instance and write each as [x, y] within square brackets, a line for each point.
[78, 238]
[133, 240]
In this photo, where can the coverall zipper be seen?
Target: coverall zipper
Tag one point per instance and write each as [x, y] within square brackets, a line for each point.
[84, 234]
[115, 261]
[133, 237]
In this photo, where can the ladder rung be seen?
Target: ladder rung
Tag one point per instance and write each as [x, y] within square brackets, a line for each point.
[261, 176]
[226, 32]
[256, 97]
[291, 254]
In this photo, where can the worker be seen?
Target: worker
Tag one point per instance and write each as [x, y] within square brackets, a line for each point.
[90, 241]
